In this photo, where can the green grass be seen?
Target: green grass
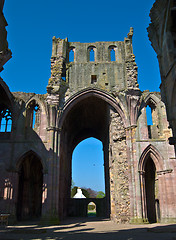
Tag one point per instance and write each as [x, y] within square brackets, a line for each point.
[91, 214]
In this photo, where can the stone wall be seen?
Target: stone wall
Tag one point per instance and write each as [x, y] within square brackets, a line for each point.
[119, 178]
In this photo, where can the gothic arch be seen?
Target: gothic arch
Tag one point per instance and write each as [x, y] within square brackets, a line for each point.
[150, 151]
[30, 184]
[115, 103]
[88, 114]
[150, 99]
[150, 163]
[39, 102]
[42, 108]
[25, 153]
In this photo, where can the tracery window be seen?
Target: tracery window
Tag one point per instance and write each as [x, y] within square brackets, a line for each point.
[33, 115]
[5, 120]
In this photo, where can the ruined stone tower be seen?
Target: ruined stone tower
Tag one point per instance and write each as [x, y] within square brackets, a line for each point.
[92, 92]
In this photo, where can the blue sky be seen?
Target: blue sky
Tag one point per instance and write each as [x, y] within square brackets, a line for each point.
[32, 24]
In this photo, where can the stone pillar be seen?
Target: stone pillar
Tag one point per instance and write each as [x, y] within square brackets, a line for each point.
[53, 161]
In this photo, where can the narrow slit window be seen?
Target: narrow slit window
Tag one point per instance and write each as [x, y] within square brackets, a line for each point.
[36, 117]
[149, 115]
[71, 55]
[91, 55]
[112, 54]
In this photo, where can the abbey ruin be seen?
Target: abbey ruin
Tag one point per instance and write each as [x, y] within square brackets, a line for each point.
[92, 92]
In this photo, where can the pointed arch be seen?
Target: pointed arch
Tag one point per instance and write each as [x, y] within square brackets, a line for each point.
[30, 187]
[153, 153]
[150, 163]
[38, 101]
[151, 99]
[114, 102]
[34, 106]
[26, 153]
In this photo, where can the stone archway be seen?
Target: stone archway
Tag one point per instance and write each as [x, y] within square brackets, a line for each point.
[149, 164]
[93, 116]
[30, 183]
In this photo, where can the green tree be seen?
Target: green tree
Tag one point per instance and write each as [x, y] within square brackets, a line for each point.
[100, 194]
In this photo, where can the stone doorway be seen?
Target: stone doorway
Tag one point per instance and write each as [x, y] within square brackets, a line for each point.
[91, 209]
[29, 204]
[150, 187]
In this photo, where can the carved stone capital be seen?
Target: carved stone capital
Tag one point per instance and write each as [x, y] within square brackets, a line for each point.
[53, 99]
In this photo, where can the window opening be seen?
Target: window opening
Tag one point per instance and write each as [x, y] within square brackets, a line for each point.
[5, 120]
[71, 55]
[149, 121]
[8, 190]
[88, 168]
[36, 117]
[44, 192]
[91, 55]
[112, 54]
[149, 115]
[33, 115]
[93, 79]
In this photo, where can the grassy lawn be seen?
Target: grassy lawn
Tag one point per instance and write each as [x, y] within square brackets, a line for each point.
[91, 214]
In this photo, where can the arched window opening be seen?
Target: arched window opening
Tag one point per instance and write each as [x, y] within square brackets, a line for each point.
[91, 54]
[152, 121]
[112, 54]
[5, 120]
[149, 115]
[88, 168]
[8, 190]
[33, 115]
[72, 55]
[36, 117]
[91, 209]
